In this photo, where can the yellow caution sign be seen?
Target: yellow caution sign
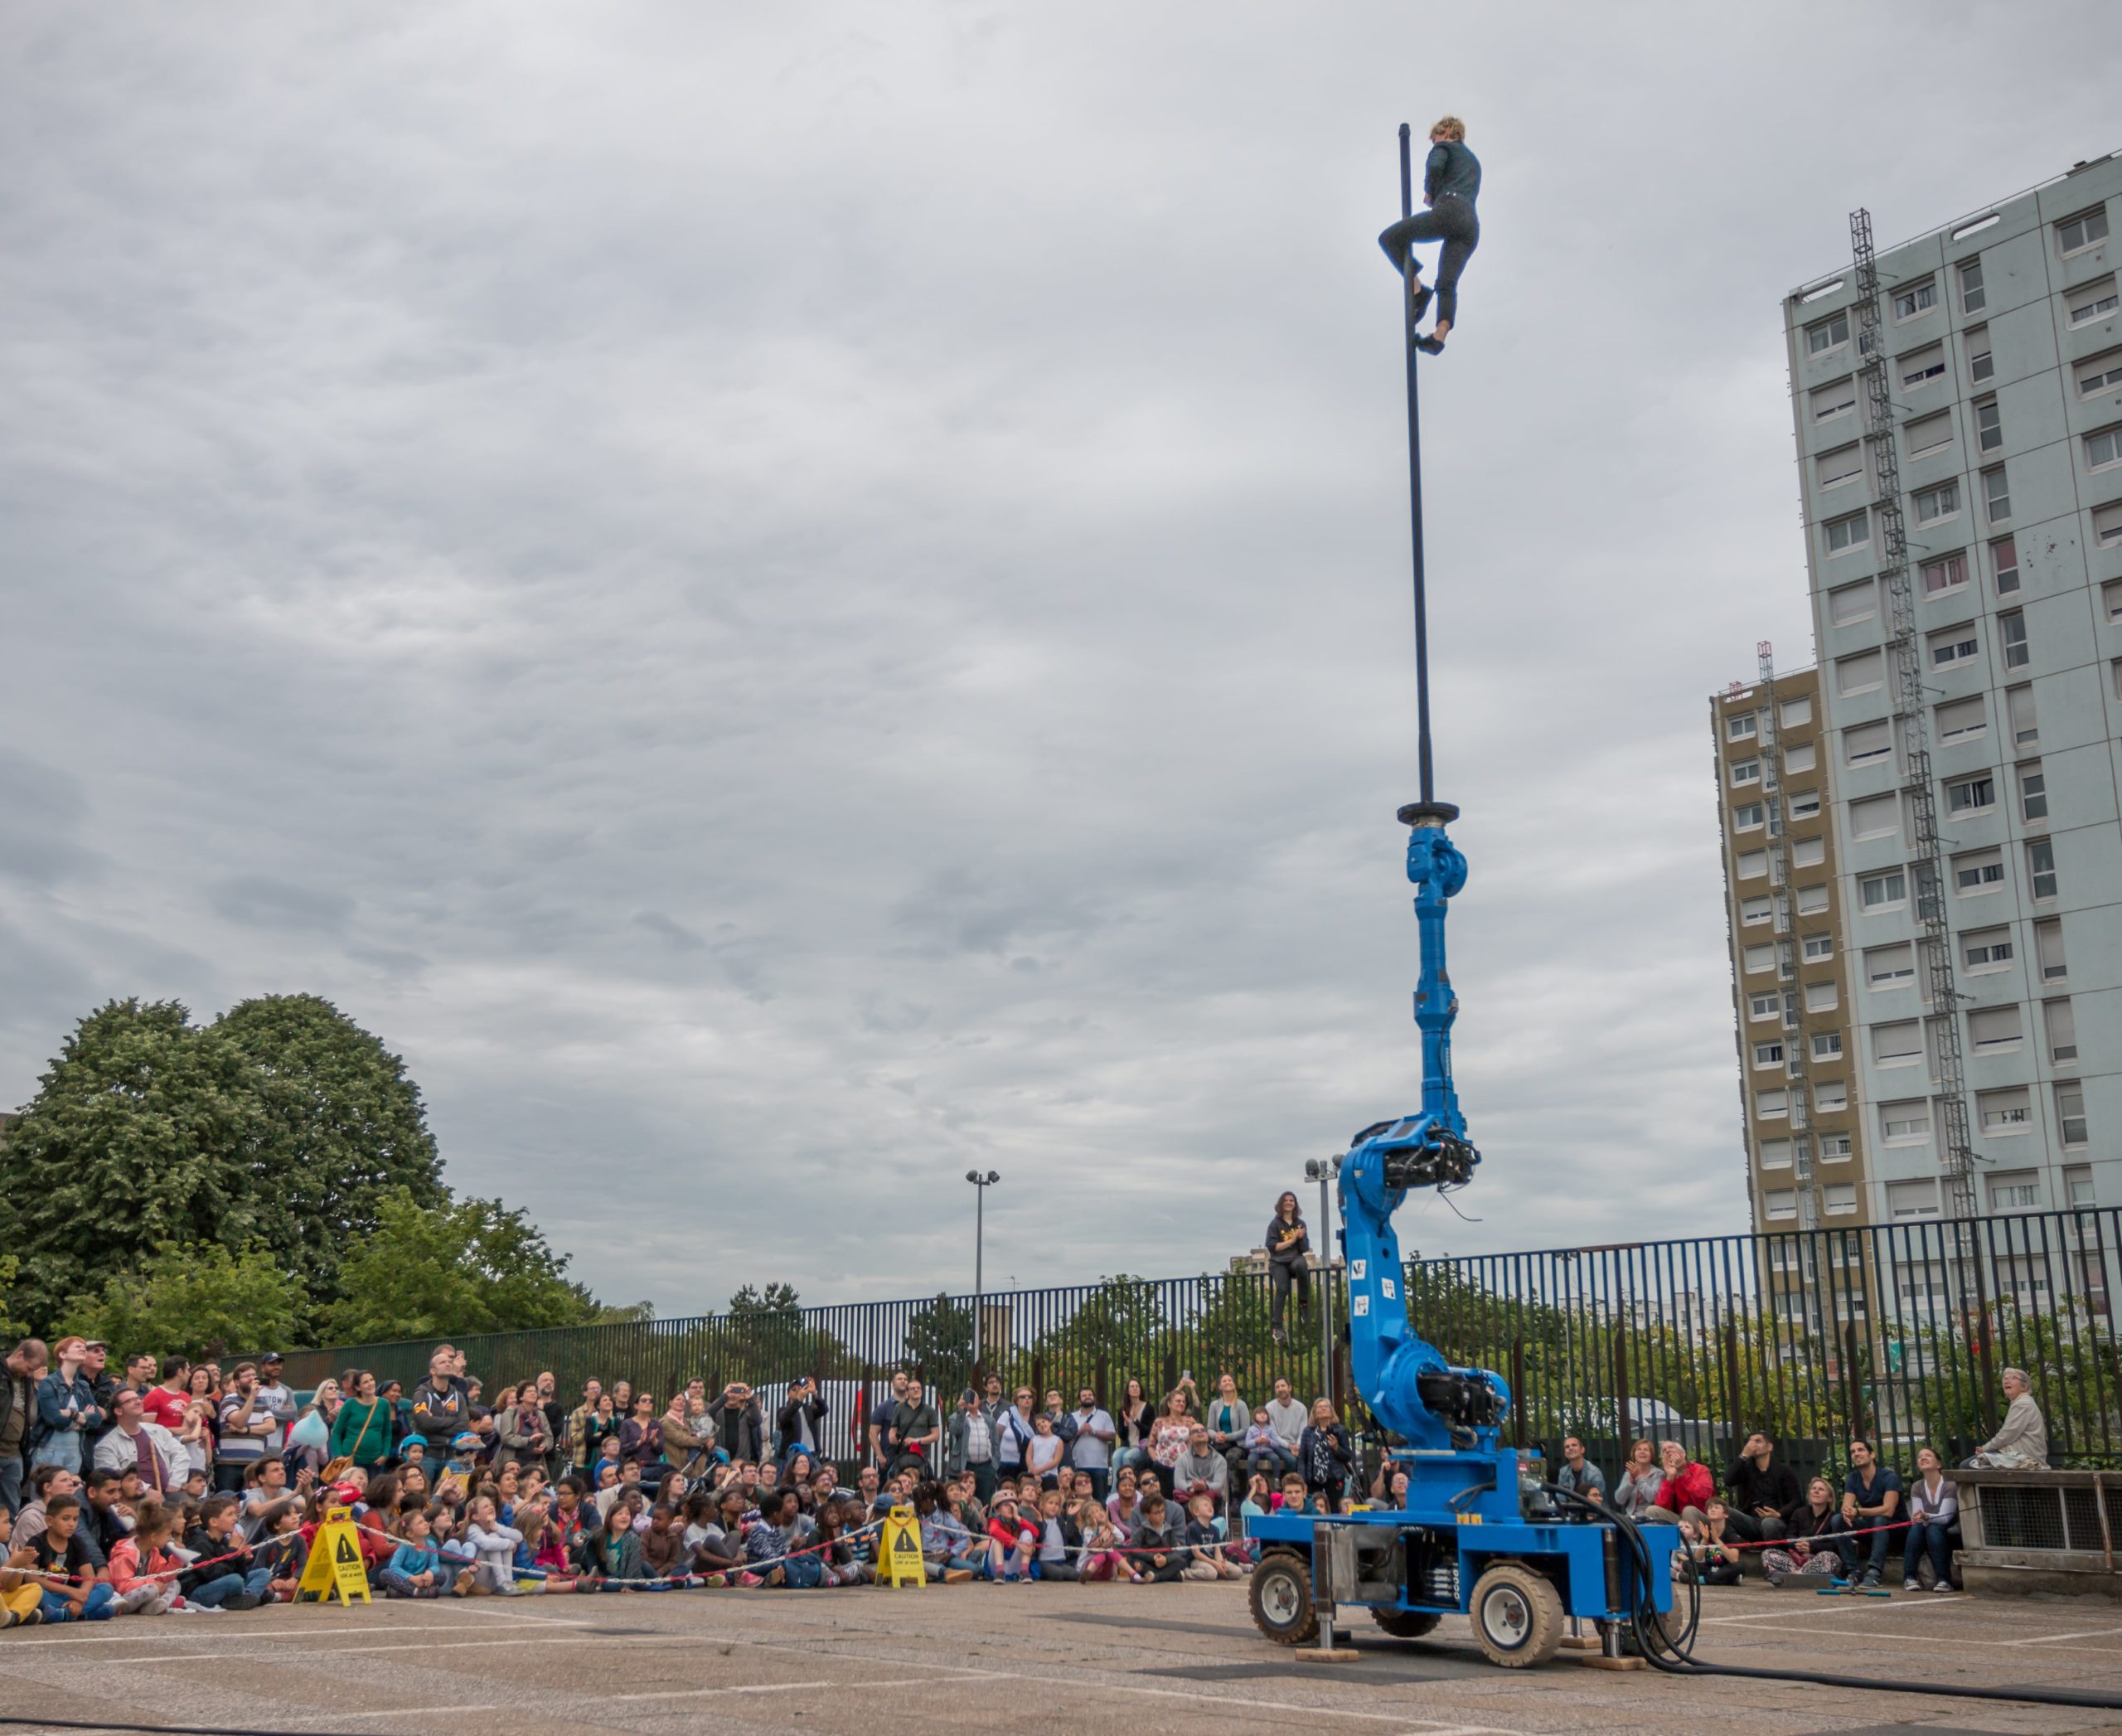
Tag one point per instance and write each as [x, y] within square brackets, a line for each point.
[899, 1550]
[334, 1566]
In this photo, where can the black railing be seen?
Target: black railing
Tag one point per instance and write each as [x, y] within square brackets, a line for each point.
[1899, 1331]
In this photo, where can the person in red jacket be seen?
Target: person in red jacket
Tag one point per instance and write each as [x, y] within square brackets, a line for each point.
[1690, 1488]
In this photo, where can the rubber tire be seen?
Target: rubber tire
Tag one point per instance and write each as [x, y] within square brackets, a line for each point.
[1287, 1567]
[1407, 1624]
[1513, 1586]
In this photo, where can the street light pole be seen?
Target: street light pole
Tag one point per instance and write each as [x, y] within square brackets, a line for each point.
[981, 1184]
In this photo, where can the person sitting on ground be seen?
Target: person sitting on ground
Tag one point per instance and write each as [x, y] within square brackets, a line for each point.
[143, 1573]
[415, 1569]
[2021, 1443]
[494, 1544]
[1710, 1546]
[74, 1589]
[1689, 1487]
[1933, 1519]
[1871, 1500]
[1641, 1483]
[1578, 1474]
[839, 1564]
[1104, 1546]
[283, 1554]
[1159, 1547]
[1204, 1543]
[1011, 1541]
[663, 1552]
[1120, 1505]
[1761, 1487]
[223, 1575]
[1060, 1539]
[949, 1552]
[614, 1554]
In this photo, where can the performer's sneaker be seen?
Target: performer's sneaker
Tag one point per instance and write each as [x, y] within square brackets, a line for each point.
[1430, 346]
[1418, 300]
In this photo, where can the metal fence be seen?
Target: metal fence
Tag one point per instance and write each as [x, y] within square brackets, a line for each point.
[1899, 1331]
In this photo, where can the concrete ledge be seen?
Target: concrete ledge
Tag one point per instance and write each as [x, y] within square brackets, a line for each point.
[2037, 1581]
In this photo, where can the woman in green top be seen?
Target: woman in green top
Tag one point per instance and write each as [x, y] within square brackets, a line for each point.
[361, 1431]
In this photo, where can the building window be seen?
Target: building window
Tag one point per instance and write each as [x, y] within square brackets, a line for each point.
[1995, 1030]
[1940, 503]
[1808, 852]
[1986, 950]
[1971, 795]
[2040, 868]
[2048, 950]
[1739, 728]
[1822, 996]
[1866, 743]
[1836, 399]
[1812, 901]
[1766, 1005]
[1883, 891]
[2004, 565]
[2115, 677]
[1917, 298]
[1834, 469]
[1818, 947]
[1954, 645]
[1769, 1105]
[2014, 1190]
[1779, 1204]
[1835, 1147]
[2061, 1026]
[1853, 602]
[1979, 871]
[1748, 819]
[1898, 1044]
[1860, 674]
[1947, 573]
[2011, 634]
[1875, 817]
[1746, 771]
[2077, 1187]
[2088, 229]
[1920, 367]
[1890, 966]
[1961, 720]
[2107, 525]
[1827, 1046]
[2087, 302]
[1841, 1201]
[2104, 449]
[1830, 333]
[1802, 757]
[1981, 364]
[1758, 958]
[1752, 864]
[1973, 297]
[2103, 373]
[1929, 434]
[1988, 426]
[1752, 910]
[1905, 1123]
[1997, 495]
[2033, 792]
[1797, 712]
[1912, 1199]
[1776, 1154]
[1804, 803]
[2025, 727]
[1768, 1055]
[2071, 1112]
[1845, 534]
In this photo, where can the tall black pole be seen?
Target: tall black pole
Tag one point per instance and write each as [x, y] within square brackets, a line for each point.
[1415, 488]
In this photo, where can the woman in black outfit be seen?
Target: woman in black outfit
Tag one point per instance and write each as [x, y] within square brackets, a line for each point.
[1132, 1423]
[1288, 1242]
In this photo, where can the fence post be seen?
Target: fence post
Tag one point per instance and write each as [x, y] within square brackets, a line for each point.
[1170, 1370]
[1625, 1424]
[1518, 1392]
[1852, 1382]
[1101, 1380]
[1039, 1383]
[1734, 1400]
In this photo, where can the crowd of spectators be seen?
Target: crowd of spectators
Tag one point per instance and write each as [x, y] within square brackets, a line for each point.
[170, 1487]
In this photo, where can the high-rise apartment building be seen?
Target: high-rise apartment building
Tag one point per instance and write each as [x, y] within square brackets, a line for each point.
[1790, 983]
[1958, 402]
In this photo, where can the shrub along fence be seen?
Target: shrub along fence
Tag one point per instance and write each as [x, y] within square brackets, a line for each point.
[1899, 1331]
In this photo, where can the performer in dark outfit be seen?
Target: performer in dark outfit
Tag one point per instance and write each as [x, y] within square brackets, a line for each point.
[1451, 182]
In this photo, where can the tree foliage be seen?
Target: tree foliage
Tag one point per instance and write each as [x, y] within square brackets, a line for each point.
[774, 1299]
[196, 1300]
[939, 1343]
[342, 1127]
[471, 1266]
[140, 1134]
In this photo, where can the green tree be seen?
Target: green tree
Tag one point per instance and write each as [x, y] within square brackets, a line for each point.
[939, 1343]
[342, 1127]
[196, 1300]
[1121, 1320]
[140, 1134]
[9, 1328]
[774, 1299]
[469, 1267]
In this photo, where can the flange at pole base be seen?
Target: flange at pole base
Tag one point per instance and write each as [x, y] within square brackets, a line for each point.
[1428, 813]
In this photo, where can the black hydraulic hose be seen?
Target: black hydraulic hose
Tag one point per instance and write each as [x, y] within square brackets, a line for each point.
[1678, 1656]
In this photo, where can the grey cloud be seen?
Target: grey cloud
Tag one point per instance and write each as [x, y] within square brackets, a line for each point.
[258, 901]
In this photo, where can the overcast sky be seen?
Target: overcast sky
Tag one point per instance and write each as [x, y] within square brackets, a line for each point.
[792, 599]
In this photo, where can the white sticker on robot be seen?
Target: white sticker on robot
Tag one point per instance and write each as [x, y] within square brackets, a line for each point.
[1385, 1284]
[1362, 1306]
[1356, 1270]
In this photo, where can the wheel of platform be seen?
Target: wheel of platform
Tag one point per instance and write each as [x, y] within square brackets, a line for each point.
[1517, 1616]
[1282, 1605]
[1407, 1624]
